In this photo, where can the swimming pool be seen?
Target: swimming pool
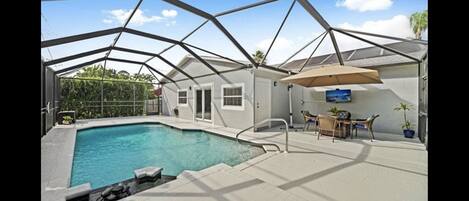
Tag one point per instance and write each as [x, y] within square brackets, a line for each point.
[107, 155]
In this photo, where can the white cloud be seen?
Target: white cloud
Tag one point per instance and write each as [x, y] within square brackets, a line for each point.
[139, 18]
[107, 21]
[397, 26]
[365, 5]
[169, 13]
[170, 23]
[280, 43]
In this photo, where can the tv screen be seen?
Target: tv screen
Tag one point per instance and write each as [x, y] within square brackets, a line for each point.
[339, 95]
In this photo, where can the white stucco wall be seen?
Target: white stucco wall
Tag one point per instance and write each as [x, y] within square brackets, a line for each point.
[400, 84]
[278, 94]
[279, 103]
[220, 117]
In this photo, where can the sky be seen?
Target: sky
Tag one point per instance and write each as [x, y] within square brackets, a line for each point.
[253, 28]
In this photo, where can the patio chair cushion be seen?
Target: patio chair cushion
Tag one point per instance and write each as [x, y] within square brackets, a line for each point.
[343, 115]
[359, 126]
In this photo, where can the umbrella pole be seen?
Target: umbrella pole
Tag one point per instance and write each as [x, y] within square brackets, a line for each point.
[290, 105]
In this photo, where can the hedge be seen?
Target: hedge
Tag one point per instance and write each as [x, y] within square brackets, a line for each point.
[84, 97]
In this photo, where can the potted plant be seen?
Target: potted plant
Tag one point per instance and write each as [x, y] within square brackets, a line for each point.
[334, 110]
[406, 126]
[67, 120]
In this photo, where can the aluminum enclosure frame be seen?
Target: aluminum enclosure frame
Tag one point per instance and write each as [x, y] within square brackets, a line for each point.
[212, 18]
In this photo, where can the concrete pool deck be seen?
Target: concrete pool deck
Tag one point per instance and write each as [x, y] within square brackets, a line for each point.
[390, 168]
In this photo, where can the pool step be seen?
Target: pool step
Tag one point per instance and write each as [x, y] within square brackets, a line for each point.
[219, 182]
[191, 175]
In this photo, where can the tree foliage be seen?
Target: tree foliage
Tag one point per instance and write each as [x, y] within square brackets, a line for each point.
[258, 56]
[84, 95]
[419, 23]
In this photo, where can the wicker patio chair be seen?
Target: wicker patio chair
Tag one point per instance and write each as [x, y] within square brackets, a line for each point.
[365, 124]
[326, 125]
[309, 119]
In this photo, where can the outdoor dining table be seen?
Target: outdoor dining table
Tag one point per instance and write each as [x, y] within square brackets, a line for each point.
[342, 123]
[346, 124]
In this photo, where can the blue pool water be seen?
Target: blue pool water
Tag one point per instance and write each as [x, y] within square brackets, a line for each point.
[108, 155]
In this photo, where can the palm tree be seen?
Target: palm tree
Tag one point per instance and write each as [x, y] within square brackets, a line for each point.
[404, 107]
[419, 23]
[258, 56]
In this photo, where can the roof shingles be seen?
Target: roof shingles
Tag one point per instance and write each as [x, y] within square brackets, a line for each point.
[364, 57]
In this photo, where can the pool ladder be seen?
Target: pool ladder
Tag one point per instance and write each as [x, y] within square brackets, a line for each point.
[269, 144]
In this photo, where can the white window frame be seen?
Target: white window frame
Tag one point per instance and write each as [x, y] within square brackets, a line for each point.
[187, 97]
[230, 107]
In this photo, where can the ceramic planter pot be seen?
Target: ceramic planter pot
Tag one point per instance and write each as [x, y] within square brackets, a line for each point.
[408, 133]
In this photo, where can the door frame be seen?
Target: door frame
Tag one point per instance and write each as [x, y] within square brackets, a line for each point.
[203, 86]
[269, 98]
[423, 101]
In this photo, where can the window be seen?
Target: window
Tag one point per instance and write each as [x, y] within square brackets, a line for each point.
[182, 97]
[233, 96]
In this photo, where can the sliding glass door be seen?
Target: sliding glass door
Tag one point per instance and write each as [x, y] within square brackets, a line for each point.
[198, 104]
[207, 104]
[203, 99]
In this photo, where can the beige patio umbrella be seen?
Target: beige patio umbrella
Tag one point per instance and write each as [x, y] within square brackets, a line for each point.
[334, 75]
[331, 75]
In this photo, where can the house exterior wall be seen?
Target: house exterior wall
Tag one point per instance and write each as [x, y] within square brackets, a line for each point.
[279, 103]
[400, 84]
[278, 94]
[220, 116]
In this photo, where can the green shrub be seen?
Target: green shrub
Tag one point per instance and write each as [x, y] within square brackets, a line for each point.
[334, 110]
[67, 119]
[84, 96]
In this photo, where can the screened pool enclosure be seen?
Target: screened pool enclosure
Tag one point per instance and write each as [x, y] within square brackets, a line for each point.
[106, 96]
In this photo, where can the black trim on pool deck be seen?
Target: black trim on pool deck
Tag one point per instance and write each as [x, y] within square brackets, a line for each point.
[115, 125]
[95, 194]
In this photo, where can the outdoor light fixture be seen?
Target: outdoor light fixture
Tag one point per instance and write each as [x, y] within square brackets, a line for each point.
[275, 83]
[190, 87]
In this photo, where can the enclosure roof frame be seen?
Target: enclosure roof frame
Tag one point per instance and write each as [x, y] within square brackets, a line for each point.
[306, 5]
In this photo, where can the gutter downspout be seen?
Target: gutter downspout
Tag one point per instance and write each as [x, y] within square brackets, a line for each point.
[290, 86]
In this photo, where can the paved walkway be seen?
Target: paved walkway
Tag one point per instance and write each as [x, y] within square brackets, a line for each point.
[56, 162]
[389, 168]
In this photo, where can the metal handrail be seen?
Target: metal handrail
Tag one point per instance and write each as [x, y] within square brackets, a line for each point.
[265, 121]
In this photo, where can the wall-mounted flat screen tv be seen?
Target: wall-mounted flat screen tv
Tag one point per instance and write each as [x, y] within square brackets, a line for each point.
[339, 95]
